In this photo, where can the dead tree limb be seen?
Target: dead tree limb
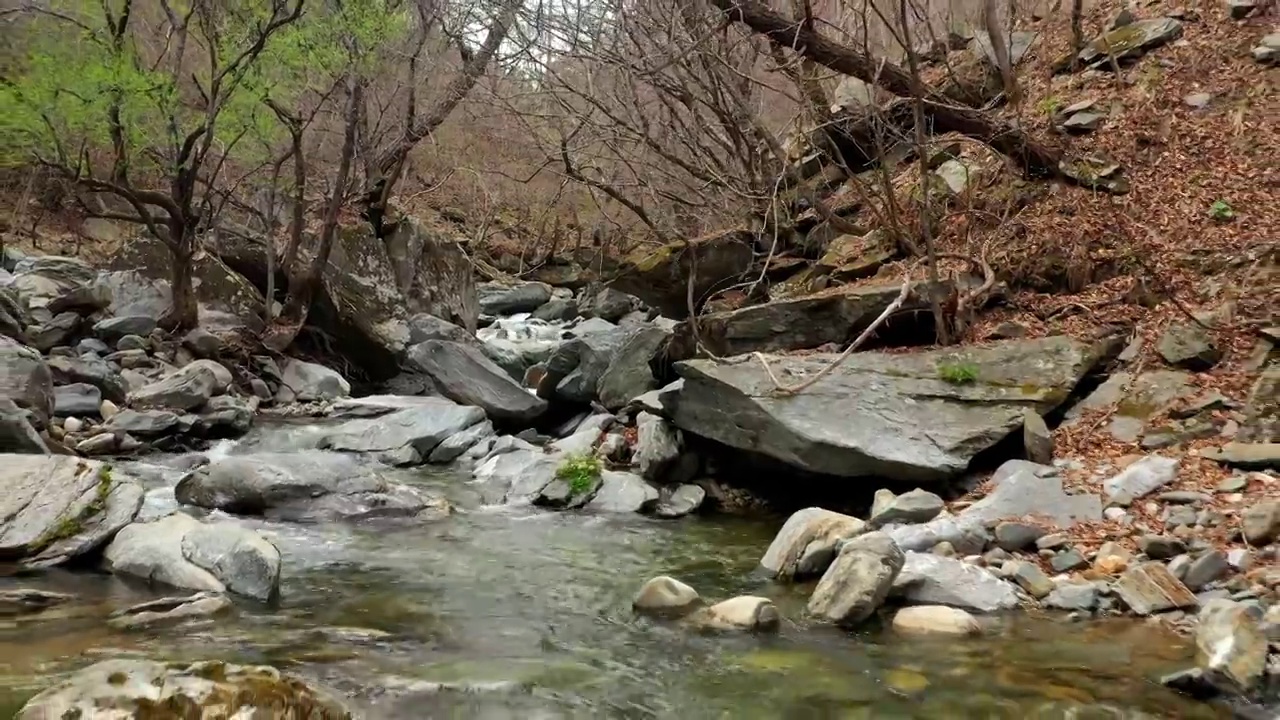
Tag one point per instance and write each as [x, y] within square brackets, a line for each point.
[1036, 159]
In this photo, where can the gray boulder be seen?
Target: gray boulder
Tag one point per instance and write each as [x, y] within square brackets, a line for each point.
[16, 433]
[515, 475]
[180, 551]
[858, 581]
[92, 370]
[1131, 40]
[305, 382]
[117, 688]
[1231, 648]
[303, 487]
[575, 368]
[25, 379]
[910, 424]
[462, 373]
[1023, 489]
[629, 375]
[557, 310]
[607, 304]
[916, 506]
[460, 442]
[498, 299]
[145, 423]
[57, 284]
[657, 450]
[59, 330]
[407, 436]
[928, 579]
[59, 507]
[1140, 478]
[79, 399]
[186, 389]
[114, 329]
[682, 500]
[1189, 346]
[623, 492]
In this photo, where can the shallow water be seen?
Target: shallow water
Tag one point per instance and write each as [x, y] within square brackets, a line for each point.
[521, 613]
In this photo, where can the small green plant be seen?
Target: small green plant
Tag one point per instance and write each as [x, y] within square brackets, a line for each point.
[1221, 211]
[960, 373]
[1049, 105]
[580, 472]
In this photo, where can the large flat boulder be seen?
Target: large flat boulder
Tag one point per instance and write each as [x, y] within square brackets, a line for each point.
[899, 416]
[58, 507]
[405, 436]
[462, 373]
[302, 486]
[57, 284]
[833, 316]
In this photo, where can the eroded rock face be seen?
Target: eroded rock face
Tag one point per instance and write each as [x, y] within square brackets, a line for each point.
[302, 486]
[144, 688]
[881, 415]
[660, 276]
[58, 507]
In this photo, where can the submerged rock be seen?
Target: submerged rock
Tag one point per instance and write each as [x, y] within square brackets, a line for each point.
[743, 613]
[665, 596]
[170, 610]
[21, 601]
[858, 581]
[935, 619]
[137, 688]
[302, 486]
[910, 423]
[58, 507]
[807, 543]
[180, 551]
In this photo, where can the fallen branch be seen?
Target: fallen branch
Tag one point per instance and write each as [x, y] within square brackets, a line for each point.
[780, 389]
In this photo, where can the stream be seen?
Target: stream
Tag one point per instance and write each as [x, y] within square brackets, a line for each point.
[517, 612]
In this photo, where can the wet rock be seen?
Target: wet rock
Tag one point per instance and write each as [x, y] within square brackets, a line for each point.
[90, 370]
[1140, 479]
[743, 613]
[666, 597]
[683, 500]
[1189, 346]
[460, 442]
[25, 379]
[915, 427]
[916, 506]
[657, 448]
[1036, 438]
[16, 432]
[309, 381]
[1231, 648]
[623, 492]
[118, 688]
[807, 543]
[1161, 547]
[180, 551]
[858, 580]
[1029, 577]
[1260, 522]
[935, 619]
[629, 375]
[933, 580]
[21, 601]
[1150, 588]
[526, 297]
[58, 507]
[419, 429]
[170, 611]
[462, 373]
[556, 310]
[302, 486]
[516, 474]
[226, 416]
[1014, 536]
[186, 389]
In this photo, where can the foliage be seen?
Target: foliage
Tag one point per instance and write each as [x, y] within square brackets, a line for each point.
[1049, 105]
[1221, 211]
[959, 373]
[580, 471]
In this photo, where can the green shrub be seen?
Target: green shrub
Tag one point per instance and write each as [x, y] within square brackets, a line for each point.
[580, 471]
[1221, 211]
[958, 373]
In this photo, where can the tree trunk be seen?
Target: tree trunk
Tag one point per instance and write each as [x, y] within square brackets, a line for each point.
[1035, 159]
[184, 311]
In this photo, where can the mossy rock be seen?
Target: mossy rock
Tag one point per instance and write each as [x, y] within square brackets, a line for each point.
[151, 690]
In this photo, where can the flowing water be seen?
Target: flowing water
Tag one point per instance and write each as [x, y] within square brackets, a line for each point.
[521, 613]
